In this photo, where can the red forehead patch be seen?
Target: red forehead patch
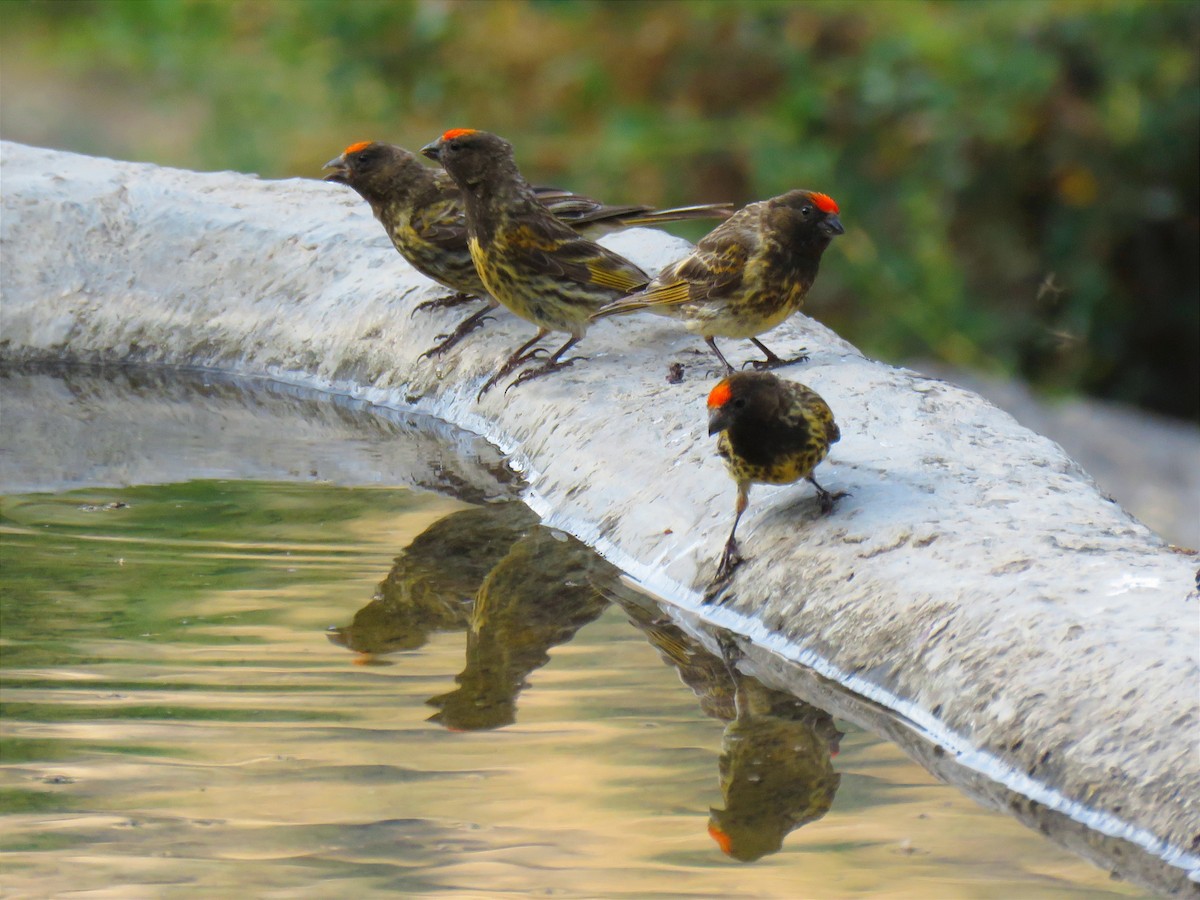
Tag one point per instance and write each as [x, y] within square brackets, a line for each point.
[720, 395]
[724, 841]
[354, 148]
[825, 203]
[457, 132]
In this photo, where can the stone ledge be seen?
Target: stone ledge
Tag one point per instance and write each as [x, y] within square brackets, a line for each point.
[975, 581]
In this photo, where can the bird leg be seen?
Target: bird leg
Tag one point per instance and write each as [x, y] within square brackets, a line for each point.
[731, 653]
[825, 498]
[721, 356]
[518, 358]
[465, 327]
[552, 364]
[730, 558]
[772, 361]
[458, 298]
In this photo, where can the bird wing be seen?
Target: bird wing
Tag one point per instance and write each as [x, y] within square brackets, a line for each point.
[442, 222]
[711, 272]
[551, 248]
[715, 269]
[820, 415]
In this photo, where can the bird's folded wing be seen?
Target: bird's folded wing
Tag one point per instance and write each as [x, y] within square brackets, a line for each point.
[443, 224]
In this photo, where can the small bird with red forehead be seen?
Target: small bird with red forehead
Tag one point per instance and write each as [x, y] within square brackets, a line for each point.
[747, 275]
[534, 264]
[422, 211]
[771, 432]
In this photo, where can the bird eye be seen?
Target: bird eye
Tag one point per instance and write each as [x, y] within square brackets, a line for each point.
[806, 210]
[739, 403]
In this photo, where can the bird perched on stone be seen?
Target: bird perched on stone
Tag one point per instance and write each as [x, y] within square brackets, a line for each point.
[422, 211]
[531, 262]
[747, 275]
[771, 432]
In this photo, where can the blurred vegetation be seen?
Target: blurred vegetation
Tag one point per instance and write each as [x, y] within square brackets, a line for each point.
[1019, 180]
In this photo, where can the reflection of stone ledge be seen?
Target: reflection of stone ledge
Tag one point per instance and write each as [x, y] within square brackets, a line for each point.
[974, 580]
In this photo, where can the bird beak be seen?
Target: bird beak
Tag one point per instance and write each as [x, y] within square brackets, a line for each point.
[718, 419]
[832, 226]
[433, 150]
[341, 171]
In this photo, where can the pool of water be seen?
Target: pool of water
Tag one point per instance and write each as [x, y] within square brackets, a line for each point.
[225, 672]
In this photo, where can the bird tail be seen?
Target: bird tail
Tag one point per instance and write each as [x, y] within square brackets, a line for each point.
[679, 214]
[632, 303]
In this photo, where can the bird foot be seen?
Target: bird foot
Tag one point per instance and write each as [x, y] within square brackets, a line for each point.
[453, 337]
[513, 362]
[827, 499]
[730, 560]
[456, 299]
[730, 651]
[550, 365]
[774, 362]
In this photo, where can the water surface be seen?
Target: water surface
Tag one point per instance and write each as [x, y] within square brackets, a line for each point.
[268, 685]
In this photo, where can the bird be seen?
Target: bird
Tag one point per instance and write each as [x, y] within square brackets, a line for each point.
[422, 211]
[537, 597]
[433, 582]
[745, 276]
[772, 431]
[530, 261]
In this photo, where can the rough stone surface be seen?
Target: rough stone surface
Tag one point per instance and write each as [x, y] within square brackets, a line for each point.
[975, 581]
[1148, 463]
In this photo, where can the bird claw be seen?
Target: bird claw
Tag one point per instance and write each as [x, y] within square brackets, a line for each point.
[453, 300]
[544, 369]
[730, 651]
[450, 339]
[827, 499]
[730, 560]
[512, 363]
[475, 323]
[488, 385]
[774, 362]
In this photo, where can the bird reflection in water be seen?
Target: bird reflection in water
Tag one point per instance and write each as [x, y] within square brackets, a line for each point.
[433, 582]
[776, 766]
[520, 588]
[537, 597]
[516, 587]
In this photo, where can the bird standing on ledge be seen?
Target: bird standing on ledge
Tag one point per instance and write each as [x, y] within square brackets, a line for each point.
[771, 432]
[747, 275]
[531, 262]
[422, 211]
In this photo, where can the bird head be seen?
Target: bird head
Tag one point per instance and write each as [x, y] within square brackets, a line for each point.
[814, 216]
[743, 395]
[371, 167]
[469, 155]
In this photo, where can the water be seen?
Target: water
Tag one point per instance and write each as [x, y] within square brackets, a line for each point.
[273, 685]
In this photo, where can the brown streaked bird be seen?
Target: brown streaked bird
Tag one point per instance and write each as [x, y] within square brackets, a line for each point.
[771, 432]
[534, 264]
[747, 275]
[421, 210]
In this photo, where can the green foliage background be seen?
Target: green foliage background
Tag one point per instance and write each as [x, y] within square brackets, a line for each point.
[1019, 180]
